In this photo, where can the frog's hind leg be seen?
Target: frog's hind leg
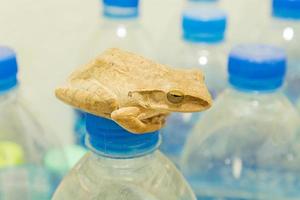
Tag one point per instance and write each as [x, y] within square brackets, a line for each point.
[88, 95]
[129, 118]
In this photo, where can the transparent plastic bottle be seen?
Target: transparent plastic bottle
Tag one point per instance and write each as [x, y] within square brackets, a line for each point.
[120, 27]
[247, 145]
[284, 30]
[122, 166]
[173, 32]
[23, 143]
[202, 46]
[247, 20]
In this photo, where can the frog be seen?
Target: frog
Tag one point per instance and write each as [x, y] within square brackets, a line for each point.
[135, 92]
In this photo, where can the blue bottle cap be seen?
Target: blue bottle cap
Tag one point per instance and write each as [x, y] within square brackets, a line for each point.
[286, 9]
[257, 67]
[204, 25]
[120, 8]
[109, 139]
[8, 68]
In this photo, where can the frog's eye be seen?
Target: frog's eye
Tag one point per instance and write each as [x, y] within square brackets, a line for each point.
[175, 97]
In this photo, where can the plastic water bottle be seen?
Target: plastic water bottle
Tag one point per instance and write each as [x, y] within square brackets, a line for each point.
[172, 32]
[202, 46]
[284, 30]
[120, 27]
[247, 145]
[23, 144]
[247, 20]
[122, 166]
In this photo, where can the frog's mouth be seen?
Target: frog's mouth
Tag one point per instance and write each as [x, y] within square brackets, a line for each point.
[189, 104]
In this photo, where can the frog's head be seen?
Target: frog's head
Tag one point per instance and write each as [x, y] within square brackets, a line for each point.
[175, 91]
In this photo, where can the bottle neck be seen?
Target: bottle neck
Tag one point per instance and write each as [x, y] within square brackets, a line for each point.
[208, 39]
[203, 43]
[121, 165]
[140, 161]
[249, 92]
[120, 13]
[119, 23]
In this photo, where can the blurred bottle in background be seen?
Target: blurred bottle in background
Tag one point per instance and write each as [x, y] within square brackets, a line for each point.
[173, 32]
[247, 18]
[284, 30]
[122, 165]
[120, 28]
[247, 145]
[23, 143]
[202, 45]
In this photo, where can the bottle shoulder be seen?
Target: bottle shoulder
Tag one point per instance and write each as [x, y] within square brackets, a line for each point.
[189, 55]
[145, 175]
[284, 33]
[243, 104]
[258, 127]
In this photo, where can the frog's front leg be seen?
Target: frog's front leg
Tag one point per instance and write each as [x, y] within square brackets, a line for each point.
[133, 120]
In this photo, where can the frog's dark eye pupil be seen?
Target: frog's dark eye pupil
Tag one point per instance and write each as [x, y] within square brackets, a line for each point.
[175, 97]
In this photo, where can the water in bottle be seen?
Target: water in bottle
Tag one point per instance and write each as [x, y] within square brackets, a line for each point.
[247, 146]
[284, 30]
[23, 143]
[122, 166]
[202, 46]
[120, 27]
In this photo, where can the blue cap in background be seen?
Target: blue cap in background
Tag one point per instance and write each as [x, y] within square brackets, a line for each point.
[204, 25]
[109, 139]
[289, 9]
[8, 68]
[120, 8]
[257, 67]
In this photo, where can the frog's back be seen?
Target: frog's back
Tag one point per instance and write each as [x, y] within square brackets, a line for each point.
[121, 71]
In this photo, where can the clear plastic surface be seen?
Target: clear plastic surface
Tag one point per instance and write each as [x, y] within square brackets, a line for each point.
[245, 147]
[23, 145]
[127, 34]
[150, 177]
[211, 59]
[286, 33]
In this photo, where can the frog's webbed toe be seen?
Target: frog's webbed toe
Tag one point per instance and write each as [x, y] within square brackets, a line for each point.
[88, 95]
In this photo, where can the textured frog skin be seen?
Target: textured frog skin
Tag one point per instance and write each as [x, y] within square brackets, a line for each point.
[135, 92]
